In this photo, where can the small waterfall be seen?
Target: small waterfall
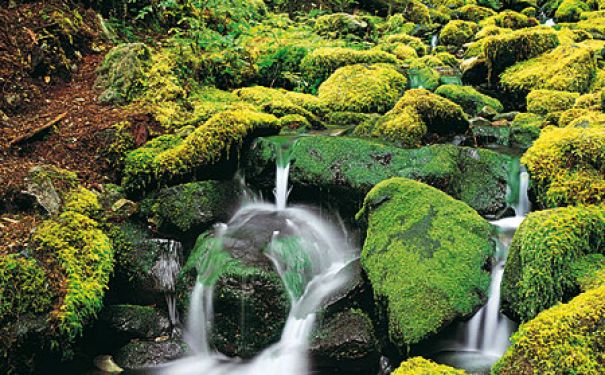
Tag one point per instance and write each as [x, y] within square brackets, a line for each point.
[283, 151]
[550, 22]
[434, 42]
[165, 272]
[310, 254]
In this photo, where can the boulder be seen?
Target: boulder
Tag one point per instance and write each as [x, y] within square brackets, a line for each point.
[140, 354]
[471, 100]
[419, 365]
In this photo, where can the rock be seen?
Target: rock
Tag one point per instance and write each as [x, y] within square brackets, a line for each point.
[105, 363]
[538, 273]
[345, 343]
[508, 116]
[474, 71]
[425, 255]
[133, 322]
[47, 184]
[471, 100]
[139, 355]
[490, 133]
[419, 365]
[566, 339]
[340, 171]
[479, 121]
[124, 208]
[525, 129]
[487, 112]
[339, 25]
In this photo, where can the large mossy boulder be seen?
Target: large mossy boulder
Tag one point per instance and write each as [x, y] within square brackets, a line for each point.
[471, 100]
[539, 272]
[566, 166]
[363, 88]
[425, 255]
[169, 158]
[145, 354]
[543, 102]
[341, 170]
[566, 339]
[421, 366]
[418, 115]
[458, 32]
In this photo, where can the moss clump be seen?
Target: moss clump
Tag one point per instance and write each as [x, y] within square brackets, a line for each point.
[339, 25]
[589, 271]
[416, 12]
[566, 339]
[361, 88]
[318, 65]
[593, 101]
[539, 273]
[421, 366]
[566, 166]
[511, 20]
[425, 255]
[418, 113]
[582, 118]
[458, 32]
[525, 129]
[504, 50]
[474, 13]
[566, 68]
[392, 41]
[422, 75]
[167, 158]
[543, 102]
[570, 10]
[471, 100]
[122, 74]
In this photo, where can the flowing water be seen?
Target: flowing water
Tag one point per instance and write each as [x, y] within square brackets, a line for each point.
[165, 272]
[485, 337]
[311, 256]
[434, 42]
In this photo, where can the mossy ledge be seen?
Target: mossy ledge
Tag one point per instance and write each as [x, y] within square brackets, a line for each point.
[425, 255]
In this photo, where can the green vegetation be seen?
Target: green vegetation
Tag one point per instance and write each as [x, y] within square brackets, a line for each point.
[458, 32]
[421, 366]
[471, 100]
[422, 246]
[539, 272]
[543, 102]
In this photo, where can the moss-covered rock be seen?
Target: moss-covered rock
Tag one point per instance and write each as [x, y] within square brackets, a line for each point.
[570, 10]
[390, 42]
[582, 118]
[566, 166]
[344, 169]
[122, 74]
[475, 13]
[339, 25]
[566, 68]
[125, 322]
[143, 354]
[525, 129]
[422, 75]
[543, 102]
[566, 339]
[471, 100]
[361, 88]
[458, 32]
[412, 229]
[318, 65]
[168, 158]
[421, 366]
[511, 20]
[539, 272]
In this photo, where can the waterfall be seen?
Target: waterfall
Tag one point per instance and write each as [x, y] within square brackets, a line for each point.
[165, 272]
[434, 42]
[310, 255]
[549, 22]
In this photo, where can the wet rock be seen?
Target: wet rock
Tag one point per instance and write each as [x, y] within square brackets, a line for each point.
[490, 133]
[474, 71]
[105, 363]
[508, 116]
[345, 344]
[47, 184]
[132, 321]
[138, 355]
[487, 112]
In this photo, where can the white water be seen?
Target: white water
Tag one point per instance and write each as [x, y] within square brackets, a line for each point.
[549, 22]
[434, 42]
[489, 330]
[165, 272]
[303, 246]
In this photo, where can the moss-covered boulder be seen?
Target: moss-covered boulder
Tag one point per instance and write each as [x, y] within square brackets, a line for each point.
[543, 102]
[425, 255]
[318, 65]
[525, 129]
[122, 74]
[418, 114]
[191, 208]
[566, 166]
[504, 50]
[566, 339]
[570, 10]
[472, 12]
[566, 68]
[471, 100]
[362, 88]
[342, 170]
[511, 20]
[539, 272]
[391, 42]
[169, 158]
[582, 118]
[342, 25]
[458, 32]
[144, 354]
[421, 366]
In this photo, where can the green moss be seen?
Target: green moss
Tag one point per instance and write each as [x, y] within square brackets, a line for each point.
[539, 274]
[471, 100]
[582, 118]
[525, 129]
[543, 102]
[424, 255]
[566, 68]
[593, 101]
[318, 65]
[589, 271]
[422, 75]
[167, 158]
[570, 10]
[417, 12]
[507, 49]
[474, 13]
[421, 366]
[342, 25]
[566, 339]
[511, 20]
[82, 201]
[566, 166]
[361, 88]
[458, 32]
[392, 41]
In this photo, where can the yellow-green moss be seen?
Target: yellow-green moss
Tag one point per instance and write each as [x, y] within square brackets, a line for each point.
[475, 13]
[404, 52]
[570, 10]
[592, 101]
[422, 75]
[318, 65]
[421, 366]
[582, 118]
[525, 129]
[458, 32]
[424, 254]
[543, 102]
[566, 339]
[471, 100]
[363, 88]
[404, 128]
[82, 201]
[566, 166]
[338, 25]
[566, 68]
[417, 12]
[510, 19]
[392, 41]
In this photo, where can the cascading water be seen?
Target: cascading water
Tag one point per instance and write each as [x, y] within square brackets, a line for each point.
[485, 337]
[434, 42]
[165, 272]
[310, 255]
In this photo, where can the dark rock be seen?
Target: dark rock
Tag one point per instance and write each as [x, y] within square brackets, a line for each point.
[487, 112]
[133, 322]
[474, 71]
[138, 355]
